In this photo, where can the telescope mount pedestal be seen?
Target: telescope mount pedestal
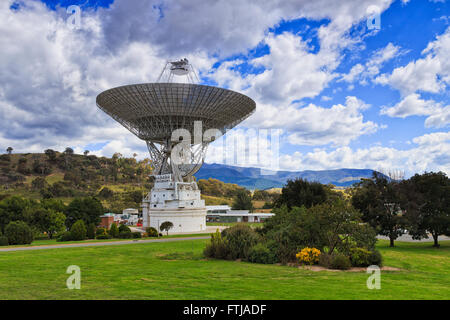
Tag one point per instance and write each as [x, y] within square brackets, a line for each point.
[177, 202]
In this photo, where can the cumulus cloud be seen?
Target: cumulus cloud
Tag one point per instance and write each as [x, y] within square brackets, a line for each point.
[368, 71]
[222, 27]
[413, 105]
[51, 73]
[339, 125]
[428, 74]
[430, 153]
[439, 119]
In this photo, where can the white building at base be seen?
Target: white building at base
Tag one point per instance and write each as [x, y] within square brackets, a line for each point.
[177, 202]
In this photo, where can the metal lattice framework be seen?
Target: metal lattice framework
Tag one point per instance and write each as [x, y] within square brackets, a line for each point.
[153, 111]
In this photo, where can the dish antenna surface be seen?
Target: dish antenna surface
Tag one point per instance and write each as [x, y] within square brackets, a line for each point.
[177, 121]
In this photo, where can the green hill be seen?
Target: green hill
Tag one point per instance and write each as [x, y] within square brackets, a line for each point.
[117, 181]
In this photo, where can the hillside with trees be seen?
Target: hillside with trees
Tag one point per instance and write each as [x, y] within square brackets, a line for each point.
[118, 182]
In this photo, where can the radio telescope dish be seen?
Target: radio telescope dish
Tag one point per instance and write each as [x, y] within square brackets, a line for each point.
[177, 121]
[153, 111]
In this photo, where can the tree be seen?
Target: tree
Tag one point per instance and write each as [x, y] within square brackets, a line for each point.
[86, 152]
[427, 198]
[39, 183]
[78, 230]
[51, 154]
[242, 201]
[300, 192]
[18, 232]
[336, 223]
[67, 155]
[264, 195]
[106, 193]
[22, 166]
[114, 231]
[41, 167]
[87, 209]
[332, 225]
[135, 196]
[379, 201]
[14, 208]
[90, 233]
[48, 220]
[166, 226]
[54, 204]
[56, 223]
[9, 150]
[124, 228]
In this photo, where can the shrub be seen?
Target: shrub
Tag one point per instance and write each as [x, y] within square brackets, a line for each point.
[364, 236]
[359, 257]
[136, 235]
[3, 241]
[78, 230]
[260, 253]
[325, 260]
[90, 232]
[125, 235]
[217, 247]
[65, 236]
[100, 232]
[166, 226]
[160, 234]
[375, 258]
[106, 193]
[240, 238]
[114, 231]
[124, 228]
[340, 261]
[151, 232]
[308, 256]
[103, 236]
[18, 232]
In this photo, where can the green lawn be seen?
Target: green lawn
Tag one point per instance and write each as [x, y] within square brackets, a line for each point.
[177, 270]
[48, 242]
[230, 224]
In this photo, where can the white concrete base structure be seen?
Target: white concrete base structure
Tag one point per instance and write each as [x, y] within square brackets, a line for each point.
[184, 220]
[177, 202]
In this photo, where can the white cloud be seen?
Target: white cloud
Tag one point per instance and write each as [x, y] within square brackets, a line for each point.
[428, 74]
[431, 153]
[413, 105]
[50, 74]
[354, 73]
[315, 125]
[291, 71]
[221, 27]
[368, 71]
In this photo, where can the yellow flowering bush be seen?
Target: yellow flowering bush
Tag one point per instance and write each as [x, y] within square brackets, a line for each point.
[308, 256]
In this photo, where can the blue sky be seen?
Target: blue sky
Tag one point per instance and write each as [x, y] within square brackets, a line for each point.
[344, 95]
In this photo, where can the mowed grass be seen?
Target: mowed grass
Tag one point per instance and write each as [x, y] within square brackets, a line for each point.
[51, 242]
[230, 224]
[178, 270]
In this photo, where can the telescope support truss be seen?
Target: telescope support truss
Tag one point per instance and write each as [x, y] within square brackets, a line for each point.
[189, 159]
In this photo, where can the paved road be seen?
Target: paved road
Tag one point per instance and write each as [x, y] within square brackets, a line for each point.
[97, 244]
[408, 238]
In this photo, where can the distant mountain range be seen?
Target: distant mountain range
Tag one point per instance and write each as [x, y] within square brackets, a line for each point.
[251, 178]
